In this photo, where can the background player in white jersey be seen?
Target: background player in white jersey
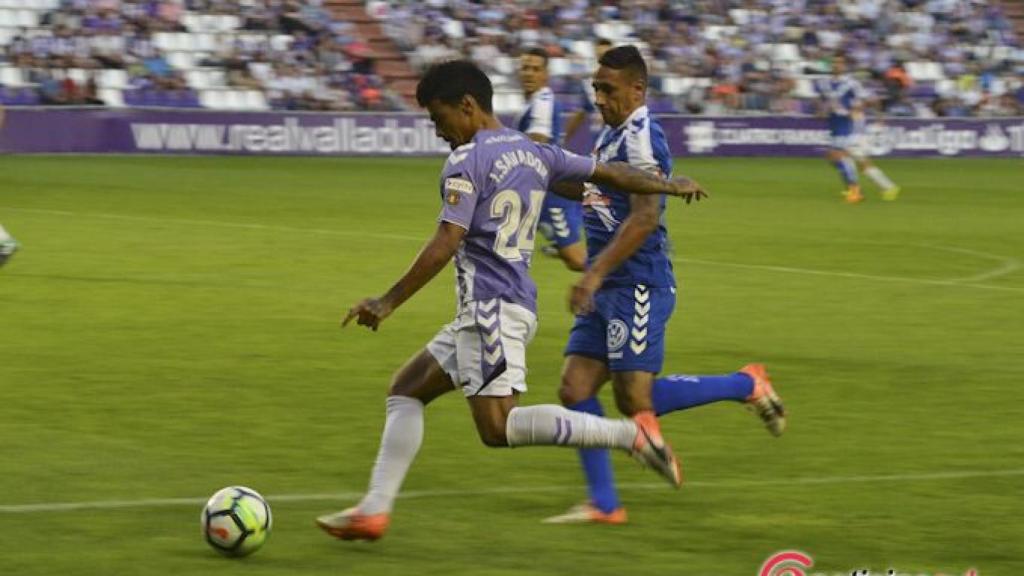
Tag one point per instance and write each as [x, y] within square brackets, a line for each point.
[8, 245]
[624, 300]
[491, 190]
[561, 220]
[845, 102]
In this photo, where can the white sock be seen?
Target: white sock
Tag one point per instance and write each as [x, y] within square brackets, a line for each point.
[403, 435]
[880, 178]
[3, 234]
[548, 424]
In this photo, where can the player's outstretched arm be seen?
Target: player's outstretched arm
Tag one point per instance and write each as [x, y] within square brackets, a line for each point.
[632, 180]
[622, 176]
[431, 260]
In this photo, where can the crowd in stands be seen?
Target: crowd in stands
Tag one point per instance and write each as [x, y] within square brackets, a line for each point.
[281, 54]
[919, 58]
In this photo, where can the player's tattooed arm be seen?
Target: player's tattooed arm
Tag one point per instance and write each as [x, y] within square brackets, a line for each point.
[622, 176]
[434, 256]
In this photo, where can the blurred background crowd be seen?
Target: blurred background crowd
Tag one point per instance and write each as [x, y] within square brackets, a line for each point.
[919, 58]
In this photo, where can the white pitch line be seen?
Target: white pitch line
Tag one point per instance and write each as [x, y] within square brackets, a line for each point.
[422, 494]
[224, 224]
[857, 275]
[1006, 266]
[970, 282]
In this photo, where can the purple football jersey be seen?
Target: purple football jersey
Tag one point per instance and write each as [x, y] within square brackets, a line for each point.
[494, 188]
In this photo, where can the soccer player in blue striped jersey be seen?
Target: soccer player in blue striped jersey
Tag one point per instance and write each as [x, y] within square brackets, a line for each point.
[560, 218]
[626, 296]
[845, 101]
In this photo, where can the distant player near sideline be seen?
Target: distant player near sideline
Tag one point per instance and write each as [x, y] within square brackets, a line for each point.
[845, 98]
[491, 188]
[8, 245]
[560, 218]
[625, 298]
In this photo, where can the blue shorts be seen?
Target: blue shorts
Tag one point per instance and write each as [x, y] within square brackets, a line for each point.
[561, 220]
[626, 330]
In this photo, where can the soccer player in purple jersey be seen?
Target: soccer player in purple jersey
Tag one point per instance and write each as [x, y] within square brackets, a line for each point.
[625, 298]
[492, 187]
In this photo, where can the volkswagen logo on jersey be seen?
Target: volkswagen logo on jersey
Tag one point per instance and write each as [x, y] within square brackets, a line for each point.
[617, 334]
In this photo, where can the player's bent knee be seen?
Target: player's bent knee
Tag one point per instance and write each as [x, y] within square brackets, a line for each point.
[493, 436]
[570, 394]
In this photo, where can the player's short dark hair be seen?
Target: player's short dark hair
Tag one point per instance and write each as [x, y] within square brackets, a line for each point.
[626, 58]
[450, 81]
[604, 42]
[536, 51]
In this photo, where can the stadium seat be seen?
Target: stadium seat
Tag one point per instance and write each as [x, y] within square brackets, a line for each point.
[192, 22]
[79, 76]
[205, 42]
[228, 23]
[454, 29]
[213, 99]
[559, 67]
[180, 60]
[281, 42]
[112, 97]
[197, 79]
[583, 48]
[112, 79]
[254, 100]
[11, 76]
[506, 65]
[26, 19]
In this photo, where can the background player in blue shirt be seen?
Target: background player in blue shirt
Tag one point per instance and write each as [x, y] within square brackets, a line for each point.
[491, 189]
[560, 218]
[626, 296]
[845, 98]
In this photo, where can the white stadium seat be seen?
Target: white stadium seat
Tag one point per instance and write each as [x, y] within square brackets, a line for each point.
[228, 23]
[78, 75]
[11, 76]
[112, 97]
[26, 18]
[213, 99]
[559, 67]
[180, 60]
[112, 79]
[254, 100]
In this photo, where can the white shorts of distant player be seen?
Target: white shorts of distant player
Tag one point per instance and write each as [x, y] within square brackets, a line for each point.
[855, 145]
[483, 350]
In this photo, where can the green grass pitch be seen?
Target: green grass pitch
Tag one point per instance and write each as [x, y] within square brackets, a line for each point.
[170, 327]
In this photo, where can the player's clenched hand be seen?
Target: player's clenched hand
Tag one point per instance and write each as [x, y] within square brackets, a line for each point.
[581, 294]
[369, 312]
[687, 189]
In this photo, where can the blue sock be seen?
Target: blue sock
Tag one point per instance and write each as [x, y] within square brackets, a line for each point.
[679, 391]
[847, 169]
[597, 465]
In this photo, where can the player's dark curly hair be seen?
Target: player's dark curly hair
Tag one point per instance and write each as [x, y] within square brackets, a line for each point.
[450, 81]
[626, 58]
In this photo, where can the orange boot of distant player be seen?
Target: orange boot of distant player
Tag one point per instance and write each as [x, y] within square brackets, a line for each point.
[853, 195]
